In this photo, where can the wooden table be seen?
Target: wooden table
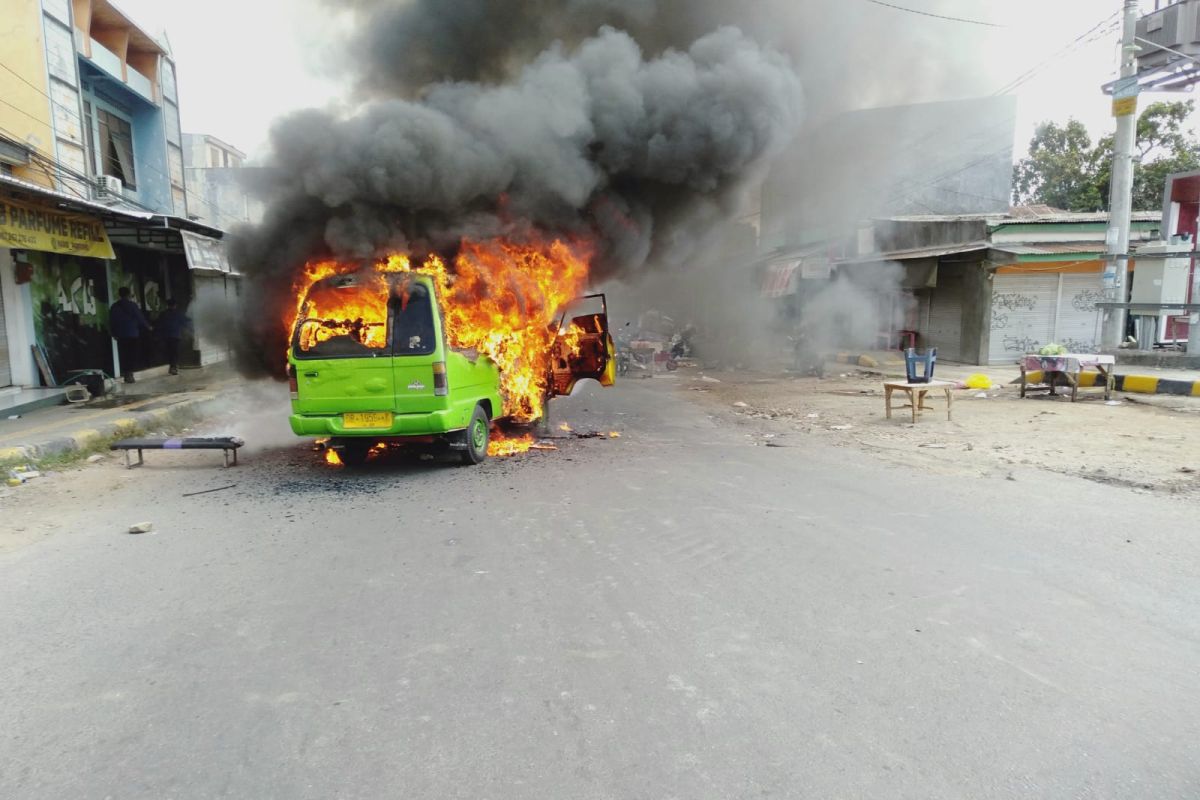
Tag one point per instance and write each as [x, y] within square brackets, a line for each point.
[1070, 366]
[916, 396]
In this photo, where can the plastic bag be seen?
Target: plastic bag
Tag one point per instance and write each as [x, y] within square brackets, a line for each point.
[979, 381]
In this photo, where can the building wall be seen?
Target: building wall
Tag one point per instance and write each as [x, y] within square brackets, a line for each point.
[22, 49]
[936, 158]
[977, 312]
[18, 322]
[150, 153]
[66, 109]
[218, 199]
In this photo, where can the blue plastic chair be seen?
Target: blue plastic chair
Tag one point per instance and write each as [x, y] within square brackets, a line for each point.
[925, 360]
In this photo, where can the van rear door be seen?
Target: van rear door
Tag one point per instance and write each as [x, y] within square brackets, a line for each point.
[583, 347]
[340, 347]
[416, 334]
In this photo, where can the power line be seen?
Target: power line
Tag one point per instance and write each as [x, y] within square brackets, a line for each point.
[937, 16]
[1097, 31]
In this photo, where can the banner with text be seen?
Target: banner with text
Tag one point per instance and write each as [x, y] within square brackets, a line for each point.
[31, 227]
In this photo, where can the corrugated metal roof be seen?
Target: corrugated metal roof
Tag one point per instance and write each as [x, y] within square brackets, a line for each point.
[73, 200]
[1052, 248]
[132, 215]
[920, 252]
[1024, 216]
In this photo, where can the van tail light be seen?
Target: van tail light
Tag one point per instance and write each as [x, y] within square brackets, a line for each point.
[293, 384]
[441, 387]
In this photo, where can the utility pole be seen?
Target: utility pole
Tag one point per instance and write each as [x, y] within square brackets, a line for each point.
[1116, 273]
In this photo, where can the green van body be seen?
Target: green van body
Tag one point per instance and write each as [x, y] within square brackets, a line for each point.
[333, 396]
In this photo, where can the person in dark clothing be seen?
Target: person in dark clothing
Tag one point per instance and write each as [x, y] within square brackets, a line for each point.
[126, 323]
[172, 324]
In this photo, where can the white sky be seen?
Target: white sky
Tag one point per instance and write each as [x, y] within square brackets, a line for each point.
[242, 63]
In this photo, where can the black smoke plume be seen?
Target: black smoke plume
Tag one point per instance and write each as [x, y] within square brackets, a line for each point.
[479, 119]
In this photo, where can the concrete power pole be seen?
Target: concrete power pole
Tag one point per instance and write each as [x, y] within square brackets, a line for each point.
[1121, 200]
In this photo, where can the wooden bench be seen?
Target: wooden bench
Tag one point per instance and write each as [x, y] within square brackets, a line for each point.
[916, 396]
[226, 444]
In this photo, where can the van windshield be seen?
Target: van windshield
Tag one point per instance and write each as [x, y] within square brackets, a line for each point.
[341, 319]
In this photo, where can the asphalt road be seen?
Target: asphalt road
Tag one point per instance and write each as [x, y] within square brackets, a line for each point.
[675, 614]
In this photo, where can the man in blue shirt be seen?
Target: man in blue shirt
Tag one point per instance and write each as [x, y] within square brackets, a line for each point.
[126, 323]
[171, 324]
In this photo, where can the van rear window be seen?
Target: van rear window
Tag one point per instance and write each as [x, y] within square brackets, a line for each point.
[343, 320]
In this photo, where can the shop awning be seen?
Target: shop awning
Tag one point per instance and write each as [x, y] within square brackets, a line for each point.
[778, 278]
[205, 254]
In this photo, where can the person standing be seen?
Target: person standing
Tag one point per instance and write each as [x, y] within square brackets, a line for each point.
[171, 325]
[126, 323]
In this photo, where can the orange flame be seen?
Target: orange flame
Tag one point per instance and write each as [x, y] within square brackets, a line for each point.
[499, 298]
[504, 446]
[614, 434]
[332, 458]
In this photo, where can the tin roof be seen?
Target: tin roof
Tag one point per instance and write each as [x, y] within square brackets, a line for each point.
[114, 213]
[915, 253]
[1052, 248]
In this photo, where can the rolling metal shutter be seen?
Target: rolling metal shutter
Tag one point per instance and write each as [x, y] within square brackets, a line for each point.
[943, 318]
[1078, 327]
[1023, 314]
[5, 364]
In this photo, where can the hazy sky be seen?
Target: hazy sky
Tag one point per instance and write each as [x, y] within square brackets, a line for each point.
[242, 63]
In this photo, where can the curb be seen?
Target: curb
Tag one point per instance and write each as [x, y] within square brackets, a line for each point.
[122, 426]
[1135, 384]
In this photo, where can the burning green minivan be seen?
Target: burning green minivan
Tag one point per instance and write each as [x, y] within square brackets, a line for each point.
[369, 364]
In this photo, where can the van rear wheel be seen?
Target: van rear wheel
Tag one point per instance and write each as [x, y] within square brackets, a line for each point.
[476, 436]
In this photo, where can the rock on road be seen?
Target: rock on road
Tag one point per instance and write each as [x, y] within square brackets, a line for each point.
[674, 614]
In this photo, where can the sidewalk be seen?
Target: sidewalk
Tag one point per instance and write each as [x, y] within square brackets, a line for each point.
[150, 404]
[1138, 380]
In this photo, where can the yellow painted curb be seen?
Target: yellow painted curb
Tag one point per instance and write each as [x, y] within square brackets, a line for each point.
[14, 454]
[1196, 389]
[1141, 384]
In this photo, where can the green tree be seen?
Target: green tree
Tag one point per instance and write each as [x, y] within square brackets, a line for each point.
[1066, 170]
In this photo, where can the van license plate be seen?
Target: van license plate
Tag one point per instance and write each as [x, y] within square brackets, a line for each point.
[367, 419]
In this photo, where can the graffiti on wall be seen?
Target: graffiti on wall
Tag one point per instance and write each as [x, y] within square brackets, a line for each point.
[70, 301]
[1021, 344]
[1086, 299]
[1014, 301]
[1003, 305]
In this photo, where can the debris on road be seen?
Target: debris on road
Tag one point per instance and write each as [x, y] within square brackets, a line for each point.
[97, 458]
[209, 491]
[544, 446]
[840, 427]
[19, 475]
[740, 404]
[142, 527]
[707, 379]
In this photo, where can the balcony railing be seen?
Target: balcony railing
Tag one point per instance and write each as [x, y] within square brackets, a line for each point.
[110, 63]
[139, 83]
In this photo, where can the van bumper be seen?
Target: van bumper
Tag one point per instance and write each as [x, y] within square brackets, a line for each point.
[430, 423]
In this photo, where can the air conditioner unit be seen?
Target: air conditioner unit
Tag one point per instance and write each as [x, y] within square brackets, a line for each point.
[108, 186]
